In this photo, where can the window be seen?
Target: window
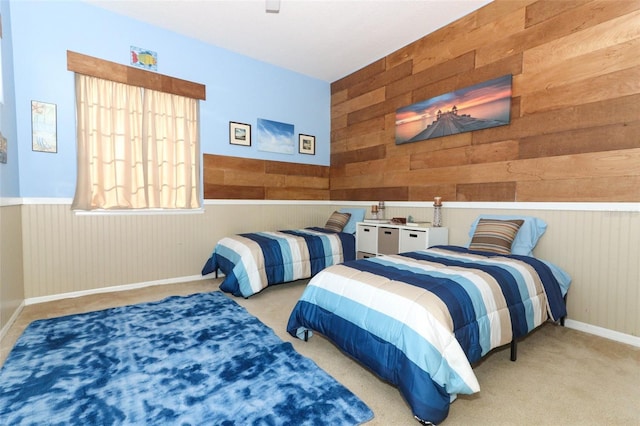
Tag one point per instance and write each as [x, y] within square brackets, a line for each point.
[137, 147]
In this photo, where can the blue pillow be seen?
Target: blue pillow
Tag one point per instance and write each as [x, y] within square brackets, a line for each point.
[563, 278]
[357, 215]
[526, 238]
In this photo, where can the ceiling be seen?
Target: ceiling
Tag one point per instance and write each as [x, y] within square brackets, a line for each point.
[324, 39]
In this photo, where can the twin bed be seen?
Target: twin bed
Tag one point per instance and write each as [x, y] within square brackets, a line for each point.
[421, 319]
[253, 261]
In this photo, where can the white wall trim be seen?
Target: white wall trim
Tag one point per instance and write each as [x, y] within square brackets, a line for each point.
[270, 202]
[603, 332]
[47, 201]
[10, 201]
[627, 207]
[60, 296]
[13, 319]
[622, 207]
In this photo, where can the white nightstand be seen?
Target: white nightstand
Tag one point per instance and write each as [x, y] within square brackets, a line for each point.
[374, 239]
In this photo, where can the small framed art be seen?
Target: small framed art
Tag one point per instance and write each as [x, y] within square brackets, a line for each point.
[3, 149]
[43, 127]
[143, 58]
[306, 144]
[239, 133]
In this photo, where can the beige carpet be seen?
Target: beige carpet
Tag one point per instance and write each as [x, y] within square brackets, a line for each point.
[562, 376]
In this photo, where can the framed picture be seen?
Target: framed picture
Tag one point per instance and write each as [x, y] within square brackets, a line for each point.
[473, 108]
[239, 133]
[43, 127]
[274, 136]
[143, 58]
[3, 149]
[307, 144]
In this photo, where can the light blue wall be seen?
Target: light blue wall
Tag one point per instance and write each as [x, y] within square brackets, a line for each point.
[9, 175]
[238, 88]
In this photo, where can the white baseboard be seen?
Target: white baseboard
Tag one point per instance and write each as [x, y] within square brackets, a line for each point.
[60, 296]
[603, 332]
[575, 325]
[13, 319]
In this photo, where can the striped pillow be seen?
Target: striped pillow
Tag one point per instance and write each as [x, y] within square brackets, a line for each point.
[495, 236]
[337, 221]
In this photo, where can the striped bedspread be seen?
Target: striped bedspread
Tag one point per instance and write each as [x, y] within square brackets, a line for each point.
[253, 261]
[420, 319]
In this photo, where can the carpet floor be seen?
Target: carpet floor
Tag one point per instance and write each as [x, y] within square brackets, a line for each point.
[562, 376]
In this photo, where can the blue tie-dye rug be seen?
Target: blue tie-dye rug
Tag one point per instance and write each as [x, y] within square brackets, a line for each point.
[200, 359]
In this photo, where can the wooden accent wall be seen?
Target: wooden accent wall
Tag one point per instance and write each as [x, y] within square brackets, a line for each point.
[575, 115]
[246, 178]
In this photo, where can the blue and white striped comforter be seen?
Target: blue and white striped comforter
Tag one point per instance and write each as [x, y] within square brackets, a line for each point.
[420, 319]
[253, 261]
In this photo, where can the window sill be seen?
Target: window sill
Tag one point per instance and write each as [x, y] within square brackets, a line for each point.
[137, 212]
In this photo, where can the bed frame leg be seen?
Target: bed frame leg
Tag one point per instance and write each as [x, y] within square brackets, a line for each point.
[564, 317]
[423, 422]
[514, 350]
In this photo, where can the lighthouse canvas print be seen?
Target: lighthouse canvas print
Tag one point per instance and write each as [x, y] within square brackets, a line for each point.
[475, 107]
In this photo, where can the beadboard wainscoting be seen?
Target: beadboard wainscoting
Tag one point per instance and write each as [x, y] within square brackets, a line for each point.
[11, 270]
[64, 254]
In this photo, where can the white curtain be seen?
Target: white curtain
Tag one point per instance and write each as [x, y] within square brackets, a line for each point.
[137, 148]
[170, 133]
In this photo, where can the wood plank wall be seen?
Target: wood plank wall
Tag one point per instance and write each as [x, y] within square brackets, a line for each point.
[245, 178]
[575, 115]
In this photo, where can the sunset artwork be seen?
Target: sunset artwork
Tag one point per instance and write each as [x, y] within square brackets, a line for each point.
[476, 107]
